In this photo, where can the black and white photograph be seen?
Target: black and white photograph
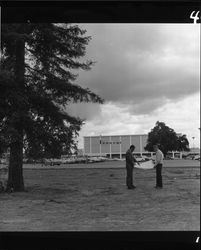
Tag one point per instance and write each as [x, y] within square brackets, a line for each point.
[100, 126]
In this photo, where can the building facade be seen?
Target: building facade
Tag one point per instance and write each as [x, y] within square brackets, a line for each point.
[114, 145]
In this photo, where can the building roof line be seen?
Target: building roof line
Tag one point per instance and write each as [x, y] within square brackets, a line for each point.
[112, 135]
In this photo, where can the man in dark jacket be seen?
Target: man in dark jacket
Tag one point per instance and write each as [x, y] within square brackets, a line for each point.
[130, 161]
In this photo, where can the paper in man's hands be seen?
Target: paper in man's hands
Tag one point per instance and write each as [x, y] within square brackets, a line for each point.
[145, 165]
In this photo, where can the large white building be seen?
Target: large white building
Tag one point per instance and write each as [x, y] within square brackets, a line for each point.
[114, 145]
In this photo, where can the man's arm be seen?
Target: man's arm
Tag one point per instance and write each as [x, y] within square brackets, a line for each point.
[135, 161]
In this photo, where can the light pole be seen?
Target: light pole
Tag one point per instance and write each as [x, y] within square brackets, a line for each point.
[100, 145]
[193, 140]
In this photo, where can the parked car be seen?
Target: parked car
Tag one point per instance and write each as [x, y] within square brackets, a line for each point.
[169, 157]
[96, 159]
[197, 157]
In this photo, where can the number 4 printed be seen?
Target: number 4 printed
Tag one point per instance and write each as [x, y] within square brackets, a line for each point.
[195, 17]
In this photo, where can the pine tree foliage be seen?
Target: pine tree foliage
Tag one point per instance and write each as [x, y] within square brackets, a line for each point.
[37, 83]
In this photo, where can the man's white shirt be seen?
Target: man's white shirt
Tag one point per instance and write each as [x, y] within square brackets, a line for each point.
[159, 157]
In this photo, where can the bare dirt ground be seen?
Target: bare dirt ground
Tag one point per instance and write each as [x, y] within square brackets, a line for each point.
[96, 199]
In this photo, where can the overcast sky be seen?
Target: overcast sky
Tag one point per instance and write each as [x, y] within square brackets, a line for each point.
[145, 73]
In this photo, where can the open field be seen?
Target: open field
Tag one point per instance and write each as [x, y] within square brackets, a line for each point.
[113, 164]
[96, 199]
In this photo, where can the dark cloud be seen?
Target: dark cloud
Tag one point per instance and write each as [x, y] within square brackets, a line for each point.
[142, 65]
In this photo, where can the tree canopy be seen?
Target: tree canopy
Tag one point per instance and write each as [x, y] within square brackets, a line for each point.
[36, 85]
[167, 139]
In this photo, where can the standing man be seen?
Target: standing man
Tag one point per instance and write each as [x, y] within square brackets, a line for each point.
[130, 161]
[158, 166]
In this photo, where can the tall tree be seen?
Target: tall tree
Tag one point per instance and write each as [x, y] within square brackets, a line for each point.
[36, 85]
[167, 138]
[182, 143]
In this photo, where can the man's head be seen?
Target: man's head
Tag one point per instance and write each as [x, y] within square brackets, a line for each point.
[155, 147]
[132, 148]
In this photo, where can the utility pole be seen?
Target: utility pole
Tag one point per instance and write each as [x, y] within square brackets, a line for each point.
[100, 145]
[193, 140]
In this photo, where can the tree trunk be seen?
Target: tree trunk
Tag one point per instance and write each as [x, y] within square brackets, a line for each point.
[15, 171]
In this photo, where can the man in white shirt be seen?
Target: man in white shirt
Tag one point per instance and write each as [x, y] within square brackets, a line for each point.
[158, 166]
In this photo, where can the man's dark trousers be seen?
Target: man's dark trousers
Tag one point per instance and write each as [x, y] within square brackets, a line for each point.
[159, 182]
[129, 175]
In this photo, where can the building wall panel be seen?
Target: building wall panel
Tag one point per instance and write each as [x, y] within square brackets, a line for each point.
[115, 144]
[87, 145]
[95, 144]
[135, 140]
[125, 143]
[144, 142]
[105, 144]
